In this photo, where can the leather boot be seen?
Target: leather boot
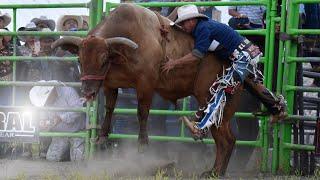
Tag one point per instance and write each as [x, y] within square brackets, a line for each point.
[276, 105]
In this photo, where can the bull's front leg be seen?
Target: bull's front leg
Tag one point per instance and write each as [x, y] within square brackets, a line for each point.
[111, 98]
[144, 104]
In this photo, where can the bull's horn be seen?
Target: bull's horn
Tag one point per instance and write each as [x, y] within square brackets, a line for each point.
[66, 40]
[122, 40]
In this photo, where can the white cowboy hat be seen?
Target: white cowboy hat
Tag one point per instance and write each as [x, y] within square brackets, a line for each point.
[63, 19]
[39, 94]
[6, 18]
[188, 12]
[31, 26]
[4, 30]
[51, 24]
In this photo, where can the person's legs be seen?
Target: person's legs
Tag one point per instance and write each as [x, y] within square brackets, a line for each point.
[57, 149]
[244, 63]
[76, 149]
[275, 104]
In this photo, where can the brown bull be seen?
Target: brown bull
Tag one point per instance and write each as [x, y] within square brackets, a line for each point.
[127, 49]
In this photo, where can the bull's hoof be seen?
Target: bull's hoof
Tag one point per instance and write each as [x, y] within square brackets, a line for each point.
[101, 140]
[142, 148]
[209, 174]
[143, 142]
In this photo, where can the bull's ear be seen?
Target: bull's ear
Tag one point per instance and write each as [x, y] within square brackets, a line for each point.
[70, 44]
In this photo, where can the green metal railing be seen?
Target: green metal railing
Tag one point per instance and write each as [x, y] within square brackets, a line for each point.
[287, 82]
[262, 142]
[95, 7]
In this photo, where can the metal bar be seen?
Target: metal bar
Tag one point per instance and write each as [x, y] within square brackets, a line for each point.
[25, 83]
[301, 88]
[311, 74]
[108, 8]
[260, 32]
[305, 1]
[33, 108]
[99, 11]
[39, 33]
[44, 58]
[311, 100]
[87, 145]
[32, 6]
[298, 147]
[93, 14]
[206, 3]
[289, 79]
[268, 68]
[292, 59]
[94, 122]
[172, 112]
[303, 31]
[63, 134]
[14, 67]
[95, 11]
[87, 142]
[298, 118]
[180, 139]
[276, 127]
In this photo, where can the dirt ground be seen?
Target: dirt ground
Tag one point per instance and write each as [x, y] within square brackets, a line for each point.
[159, 161]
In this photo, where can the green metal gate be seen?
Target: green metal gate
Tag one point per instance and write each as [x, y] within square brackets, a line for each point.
[287, 83]
[95, 7]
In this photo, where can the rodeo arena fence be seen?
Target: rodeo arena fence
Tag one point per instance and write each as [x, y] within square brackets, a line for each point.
[287, 142]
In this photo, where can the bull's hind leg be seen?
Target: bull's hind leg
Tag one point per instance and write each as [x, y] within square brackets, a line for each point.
[224, 139]
[111, 98]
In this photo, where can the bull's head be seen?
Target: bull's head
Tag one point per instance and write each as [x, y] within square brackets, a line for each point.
[94, 57]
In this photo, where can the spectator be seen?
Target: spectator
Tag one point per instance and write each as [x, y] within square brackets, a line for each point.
[206, 10]
[5, 50]
[44, 22]
[5, 20]
[27, 70]
[41, 96]
[5, 75]
[246, 17]
[48, 69]
[85, 24]
[69, 23]
[5, 68]
[31, 46]
[70, 70]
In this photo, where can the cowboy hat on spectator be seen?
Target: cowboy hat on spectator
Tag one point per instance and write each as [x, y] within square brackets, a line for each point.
[39, 94]
[31, 26]
[187, 12]
[61, 22]
[43, 19]
[6, 18]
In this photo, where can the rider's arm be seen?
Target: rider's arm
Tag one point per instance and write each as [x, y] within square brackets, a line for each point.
[187, 59]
